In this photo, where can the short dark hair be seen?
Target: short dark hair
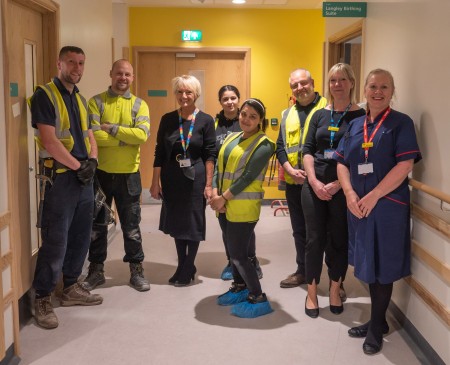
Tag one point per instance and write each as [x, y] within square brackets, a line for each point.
[229, 88]
[67, 49]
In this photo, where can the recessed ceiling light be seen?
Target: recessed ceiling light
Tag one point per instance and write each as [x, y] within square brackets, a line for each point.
[238, 1]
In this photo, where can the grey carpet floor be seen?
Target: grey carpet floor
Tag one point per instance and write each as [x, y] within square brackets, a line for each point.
[170, 325]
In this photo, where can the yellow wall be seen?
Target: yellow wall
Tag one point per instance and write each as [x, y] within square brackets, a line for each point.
[280, 41]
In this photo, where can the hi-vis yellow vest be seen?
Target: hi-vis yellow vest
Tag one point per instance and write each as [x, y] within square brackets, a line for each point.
[245, 206]
[62, 122]
[293, 136]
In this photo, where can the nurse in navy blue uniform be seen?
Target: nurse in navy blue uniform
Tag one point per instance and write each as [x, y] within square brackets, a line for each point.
[374, 160]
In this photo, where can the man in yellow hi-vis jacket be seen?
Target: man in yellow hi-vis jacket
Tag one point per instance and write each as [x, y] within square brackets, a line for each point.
[121, 123]
[293, 131]
[67, 158]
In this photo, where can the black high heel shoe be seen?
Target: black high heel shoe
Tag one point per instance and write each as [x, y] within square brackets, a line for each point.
[174, 277]
[185, 280]
[313, 313]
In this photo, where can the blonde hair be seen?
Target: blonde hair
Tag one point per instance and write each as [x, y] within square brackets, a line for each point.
[349, 74]
[187, 82]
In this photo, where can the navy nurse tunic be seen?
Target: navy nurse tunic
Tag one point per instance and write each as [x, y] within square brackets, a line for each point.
[380, 244]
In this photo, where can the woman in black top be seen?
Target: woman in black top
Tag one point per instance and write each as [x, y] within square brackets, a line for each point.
[227, 122]
[182, 174]
[323, 201]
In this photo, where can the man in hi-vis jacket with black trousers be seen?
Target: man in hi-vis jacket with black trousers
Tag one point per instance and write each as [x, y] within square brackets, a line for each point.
[68, 159]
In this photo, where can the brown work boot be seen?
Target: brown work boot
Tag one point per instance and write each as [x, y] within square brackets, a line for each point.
[43, 313]
[76, 294]
[293, 280]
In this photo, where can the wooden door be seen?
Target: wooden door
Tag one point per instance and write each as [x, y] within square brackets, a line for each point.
[25, 30]
[155, 69]
[155, 72]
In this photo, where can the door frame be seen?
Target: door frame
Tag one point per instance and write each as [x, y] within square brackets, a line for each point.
[334, 43]
[138, 50]
[50, 33]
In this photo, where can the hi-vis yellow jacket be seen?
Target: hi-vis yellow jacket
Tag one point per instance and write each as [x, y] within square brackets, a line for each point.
[119, 151]
[294, 136]
[62, 123]
[245, 206]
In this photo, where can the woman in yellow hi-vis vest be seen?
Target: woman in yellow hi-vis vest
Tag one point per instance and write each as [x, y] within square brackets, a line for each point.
[237, 196]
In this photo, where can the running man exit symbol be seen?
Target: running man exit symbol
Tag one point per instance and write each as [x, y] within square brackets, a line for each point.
[191, 35]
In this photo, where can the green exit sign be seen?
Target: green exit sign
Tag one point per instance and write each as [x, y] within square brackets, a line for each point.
[344, 10]
[191, 35]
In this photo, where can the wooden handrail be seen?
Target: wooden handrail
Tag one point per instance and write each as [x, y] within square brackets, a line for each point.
[429, 190]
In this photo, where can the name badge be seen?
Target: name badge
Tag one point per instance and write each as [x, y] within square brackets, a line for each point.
[365, 168]
[328, 154]
[367, 145]
[333, 129]
[185, 162]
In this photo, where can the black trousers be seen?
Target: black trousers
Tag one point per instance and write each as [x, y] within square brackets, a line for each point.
[294, 201]
[326, 223]
[126, 190]
[237, 236]
[251, 246]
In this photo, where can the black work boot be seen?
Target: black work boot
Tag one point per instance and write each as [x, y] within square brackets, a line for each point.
[95, 277]
[137, 280]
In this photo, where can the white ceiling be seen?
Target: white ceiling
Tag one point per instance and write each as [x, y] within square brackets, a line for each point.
[260, 4]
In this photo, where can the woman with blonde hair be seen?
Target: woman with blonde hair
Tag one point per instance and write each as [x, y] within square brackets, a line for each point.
[323, 201]
[374, 161]
[182, 174]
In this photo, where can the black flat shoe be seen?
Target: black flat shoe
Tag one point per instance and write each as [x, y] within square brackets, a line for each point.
[361, 331]
[336, 309]
[371, 349]
[313, 313]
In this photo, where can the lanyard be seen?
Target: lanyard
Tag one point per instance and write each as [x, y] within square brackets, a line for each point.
[334, 127]
[368, 141]
[185, 143]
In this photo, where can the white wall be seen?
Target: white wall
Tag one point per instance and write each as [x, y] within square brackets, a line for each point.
[120, 28]
[410, 39]
[88, 24]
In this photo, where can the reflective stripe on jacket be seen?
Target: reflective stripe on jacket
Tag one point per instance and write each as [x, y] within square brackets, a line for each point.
[245, 206]
[62, 121]
[293, 136]
[119, 151]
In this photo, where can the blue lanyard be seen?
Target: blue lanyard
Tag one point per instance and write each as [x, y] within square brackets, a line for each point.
[185, 143]
[334, 127]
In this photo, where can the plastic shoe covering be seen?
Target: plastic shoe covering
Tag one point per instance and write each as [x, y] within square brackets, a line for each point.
[227, 273]
[253, 307]
[236, 294]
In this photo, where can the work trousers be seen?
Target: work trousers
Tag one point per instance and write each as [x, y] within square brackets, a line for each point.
[294, 201]
[237, 237]
[126, 190]
[65, 231]
[326, 223]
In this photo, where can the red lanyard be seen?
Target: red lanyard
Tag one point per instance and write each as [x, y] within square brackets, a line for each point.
[368, 141]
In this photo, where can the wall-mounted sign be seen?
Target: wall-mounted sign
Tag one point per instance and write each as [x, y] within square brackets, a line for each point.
[191, 35]
[344, 10]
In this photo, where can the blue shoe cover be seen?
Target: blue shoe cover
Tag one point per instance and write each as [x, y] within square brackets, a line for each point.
[250, 310]
[227, 273]
[230, 298]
